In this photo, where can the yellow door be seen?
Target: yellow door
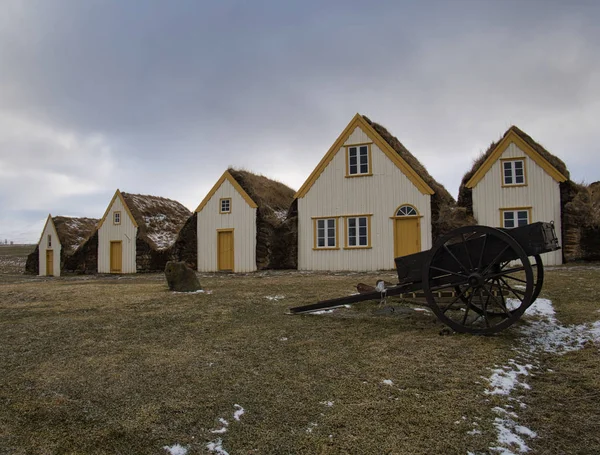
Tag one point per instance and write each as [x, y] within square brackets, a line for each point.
[116, 257]
[50, 262]
[225, 250]
[407, 236]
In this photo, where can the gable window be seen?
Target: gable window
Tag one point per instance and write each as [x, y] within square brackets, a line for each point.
[513, 172]
[358, 231]
[225, 205]
[117, 218]
[513, 218]
[358, 160]
[326, 233]
[49, 241]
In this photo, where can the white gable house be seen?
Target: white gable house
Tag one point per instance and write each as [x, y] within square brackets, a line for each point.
[364, 204]
[516, 182]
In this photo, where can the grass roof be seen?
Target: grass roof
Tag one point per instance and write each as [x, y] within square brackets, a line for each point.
[263, 190]
[413, 162]
[159, 219]
[73, 232]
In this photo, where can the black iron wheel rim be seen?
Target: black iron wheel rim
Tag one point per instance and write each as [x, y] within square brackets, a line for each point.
[463, 255]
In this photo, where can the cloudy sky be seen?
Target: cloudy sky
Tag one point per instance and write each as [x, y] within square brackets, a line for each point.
[160, 97]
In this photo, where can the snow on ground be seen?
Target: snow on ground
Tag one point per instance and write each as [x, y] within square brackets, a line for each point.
[388, 382]
[274, 297]
[176, 449]
[239, 412]
[217, 445]
[199, 291]
[542, 334]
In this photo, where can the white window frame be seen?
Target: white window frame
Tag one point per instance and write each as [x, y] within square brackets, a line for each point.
[357, 237]
[223, 201]
[512, 172]
[516, 218]
[116, 218]
[362, 151]
[49, 241]
[323, 231]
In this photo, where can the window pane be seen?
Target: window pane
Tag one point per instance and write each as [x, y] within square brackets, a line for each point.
[509, 215]
[352, 152]
[363, 241]
[321, 242]
[352, 232]
[507, 166]
[364, 168]
[331, 241]
[353, 161]
[353, 170]
[362, 231]
[352, 222]
[320, 224]
[352, 241]
[362, 222]
[321, 232]
[331, 223]
[518, 165]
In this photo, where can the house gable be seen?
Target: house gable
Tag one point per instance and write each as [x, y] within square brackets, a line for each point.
[49, 226]
[513, 137]
[359, 122]
[108, 209]
[227, 176]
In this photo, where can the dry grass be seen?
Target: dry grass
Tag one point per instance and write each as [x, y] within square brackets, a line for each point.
[121, 365]
[13, 258]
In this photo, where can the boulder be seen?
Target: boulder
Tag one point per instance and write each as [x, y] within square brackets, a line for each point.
[181, 278]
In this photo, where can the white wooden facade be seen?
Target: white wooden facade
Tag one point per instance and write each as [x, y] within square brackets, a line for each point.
[329, 193]
[540, 196]
[125, 231]
[241, 219]
[49, 241]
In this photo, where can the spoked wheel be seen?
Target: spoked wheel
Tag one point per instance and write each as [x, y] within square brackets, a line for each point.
[503, 287]
[491, 273]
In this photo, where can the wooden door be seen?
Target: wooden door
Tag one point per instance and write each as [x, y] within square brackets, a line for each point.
[116, 257]
[225, 250]
[407, 236]
[49, 262]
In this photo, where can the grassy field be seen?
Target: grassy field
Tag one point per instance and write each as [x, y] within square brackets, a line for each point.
[13, 257]
[121, 365]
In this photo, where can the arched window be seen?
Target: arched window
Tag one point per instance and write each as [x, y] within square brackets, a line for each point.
[406, 210]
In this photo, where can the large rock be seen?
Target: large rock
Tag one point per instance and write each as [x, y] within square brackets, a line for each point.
[181, 278]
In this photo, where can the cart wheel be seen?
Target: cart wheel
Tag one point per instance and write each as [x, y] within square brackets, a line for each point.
[493, 276]
[498, 287]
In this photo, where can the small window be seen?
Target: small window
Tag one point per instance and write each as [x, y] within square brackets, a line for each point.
[515, 218]
[359, 160]
[225, 206]
[117, 218]
[406, 210]
[513, 172]
[326, 233]
[357, 232]
[49, 241]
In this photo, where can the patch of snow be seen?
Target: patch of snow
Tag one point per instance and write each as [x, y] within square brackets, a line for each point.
[474, 432]
[542, 334]
[281, 215]
[176, 449]
[223, 429]
[283, 339]
[217, 447]
[388, 382]
[239, 412]
[424, 310]
[327, 403]
[274, 297]
[321, 312]
[199, 291]
[310, 427]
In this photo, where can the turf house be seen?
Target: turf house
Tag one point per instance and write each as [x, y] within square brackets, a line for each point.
[136, 233]
[515, 182]
[236, 224]
[61, 237]
[367, 201]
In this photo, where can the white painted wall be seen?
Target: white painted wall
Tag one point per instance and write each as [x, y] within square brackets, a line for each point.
[542, 194]
[56, 247]
[380, 195]
[126, 232]
[242, 219]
